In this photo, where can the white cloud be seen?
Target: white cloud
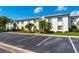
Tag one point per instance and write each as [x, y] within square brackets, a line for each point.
[74, 13]
[38, 10]
[61, 8]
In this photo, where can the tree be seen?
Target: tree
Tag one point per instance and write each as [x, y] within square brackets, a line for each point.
[29, 26]
[15, 25]
[44, 26]
[78, 25]
[49, 26]
[3, 21]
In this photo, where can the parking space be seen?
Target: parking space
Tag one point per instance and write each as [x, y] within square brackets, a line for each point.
[42, 44]
[76, 43]
[56, 45]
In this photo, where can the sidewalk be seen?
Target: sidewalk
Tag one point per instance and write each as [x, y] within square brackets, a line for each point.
[13, 49]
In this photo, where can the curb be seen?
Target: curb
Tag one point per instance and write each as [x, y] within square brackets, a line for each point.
[13, 49]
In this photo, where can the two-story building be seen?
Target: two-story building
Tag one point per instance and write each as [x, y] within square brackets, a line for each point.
[60, 22]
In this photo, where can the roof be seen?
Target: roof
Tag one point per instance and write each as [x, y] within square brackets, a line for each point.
[55, 15]
[35, 18]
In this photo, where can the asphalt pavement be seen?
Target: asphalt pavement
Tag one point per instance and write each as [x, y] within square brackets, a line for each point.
[42, 44]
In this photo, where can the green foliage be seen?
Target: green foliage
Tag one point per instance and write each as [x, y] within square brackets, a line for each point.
[44, 26]
[14, 26]
[2, 29]
[3, 21]
[77, 23]
[77, 26]
[14, 29]
[73, 29]
[29, 26]
[7, 30]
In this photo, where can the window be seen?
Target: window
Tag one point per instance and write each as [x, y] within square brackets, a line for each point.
[59, 18]
[59, 27]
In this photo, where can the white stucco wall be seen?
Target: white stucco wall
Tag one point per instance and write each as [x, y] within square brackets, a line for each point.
[54, 24]
[37, 25]
[65, 23]
[9, 25]
[19, 25]
[46, 19]
[69, 22]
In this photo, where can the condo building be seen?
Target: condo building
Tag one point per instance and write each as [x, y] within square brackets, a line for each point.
[59, 22]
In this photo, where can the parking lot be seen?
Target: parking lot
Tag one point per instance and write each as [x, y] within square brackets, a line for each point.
[42, 44]
[4, 51]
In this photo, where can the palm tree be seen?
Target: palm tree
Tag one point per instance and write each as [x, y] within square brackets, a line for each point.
[44, 26]
[49, 26]
[29, 26]
[78, 25]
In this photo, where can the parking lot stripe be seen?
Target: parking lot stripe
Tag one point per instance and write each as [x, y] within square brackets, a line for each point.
[43, 41]
[73, 45]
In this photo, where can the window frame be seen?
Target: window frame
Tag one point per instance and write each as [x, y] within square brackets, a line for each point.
[60, 19]
[61, 27]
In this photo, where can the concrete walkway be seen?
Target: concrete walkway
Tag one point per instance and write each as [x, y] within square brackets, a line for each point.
[13, 49]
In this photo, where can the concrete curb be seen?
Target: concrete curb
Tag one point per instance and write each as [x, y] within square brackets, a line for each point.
[13, 49]
[43, 34]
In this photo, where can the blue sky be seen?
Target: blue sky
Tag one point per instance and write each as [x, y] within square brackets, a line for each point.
[21, 12]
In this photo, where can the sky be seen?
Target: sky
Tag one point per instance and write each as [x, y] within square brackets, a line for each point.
[22, 12]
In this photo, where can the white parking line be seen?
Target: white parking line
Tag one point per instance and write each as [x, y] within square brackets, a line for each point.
[73, 45]
[43, 41]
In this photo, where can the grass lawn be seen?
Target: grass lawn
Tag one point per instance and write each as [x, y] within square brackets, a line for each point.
[66, 34]
[58, 33]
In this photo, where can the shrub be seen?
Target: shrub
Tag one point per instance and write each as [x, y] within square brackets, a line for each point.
[73, 29]
[59, 32]
[35, 30]
[26, 31]
[19, 29]
[50, 32]
[14, 29]
[8, 30]
[29, 26]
